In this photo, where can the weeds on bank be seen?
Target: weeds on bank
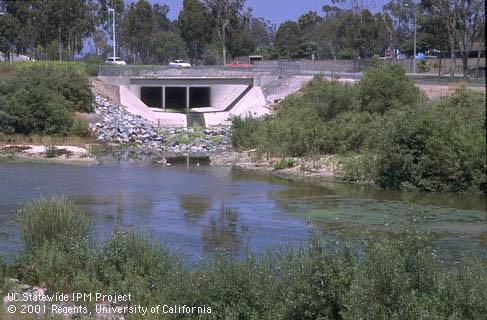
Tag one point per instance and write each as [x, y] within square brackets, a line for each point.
[21, 139]
[395, 277]
[283, 164]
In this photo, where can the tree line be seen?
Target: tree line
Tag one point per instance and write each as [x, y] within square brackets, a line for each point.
[215, 31]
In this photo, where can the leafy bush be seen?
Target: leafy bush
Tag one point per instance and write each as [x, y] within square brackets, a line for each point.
[386, 87]
[80, 128]
[351, 132]
[63, 80]
[438, 147]
[328, 98]
[244, 132]
[314, 281]
[321, 119]
[402, 278]
[36, 110]
[41, 98]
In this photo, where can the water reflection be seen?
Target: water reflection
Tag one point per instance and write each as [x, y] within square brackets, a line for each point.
[222, 232]
[194, 206]
[181, 206]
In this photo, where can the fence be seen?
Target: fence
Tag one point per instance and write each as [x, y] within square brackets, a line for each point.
[331, 68]
[164, 71]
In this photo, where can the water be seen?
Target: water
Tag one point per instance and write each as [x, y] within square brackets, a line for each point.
[203, 209]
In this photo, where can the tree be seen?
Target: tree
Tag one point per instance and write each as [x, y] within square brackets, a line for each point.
[226, 14]
[469, 19]
[289, 40]
[307, 22]
[262, 31]
[68, 22]
[463, 21]
[9, 28]
[172, 47]
[137, 29]
[195, 25]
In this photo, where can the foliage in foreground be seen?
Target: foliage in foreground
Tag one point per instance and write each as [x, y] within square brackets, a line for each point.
[42, 98]
[406, 142]
[399, 277]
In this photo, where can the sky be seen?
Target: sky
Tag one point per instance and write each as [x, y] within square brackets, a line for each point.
[276, 11]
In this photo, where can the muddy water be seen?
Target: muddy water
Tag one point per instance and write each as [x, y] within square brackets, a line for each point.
[202, 209]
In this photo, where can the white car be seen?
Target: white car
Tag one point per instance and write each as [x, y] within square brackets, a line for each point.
[180, 64]
[115, 60]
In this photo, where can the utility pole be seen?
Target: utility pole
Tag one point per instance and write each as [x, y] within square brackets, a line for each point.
[415, 8]
[415, 28]
[113, 31]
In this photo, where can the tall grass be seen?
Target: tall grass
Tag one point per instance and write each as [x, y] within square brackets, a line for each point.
[55, 219]
[396, 277]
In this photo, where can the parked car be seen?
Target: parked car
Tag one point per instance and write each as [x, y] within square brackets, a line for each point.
[180, 64]
[115, 60]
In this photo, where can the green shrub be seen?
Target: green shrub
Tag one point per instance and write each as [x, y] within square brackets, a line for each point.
[283, 164]
[64, 80]
[328, 98]
[438, 147]
[53, 264]
[134, 262]
[7, 122]
[386, 87]
[235, 289]
[244, 132]
[359, 168]
[351, 132]
[313, 281]
[80, 128]
[38, 110]
[41, 98]
[402, 278]
[3, 273]
[394, 279]
[56, 220]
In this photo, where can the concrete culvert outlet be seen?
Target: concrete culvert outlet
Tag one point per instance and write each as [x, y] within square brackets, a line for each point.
[151, 96]
[199, 97]
[176, 97]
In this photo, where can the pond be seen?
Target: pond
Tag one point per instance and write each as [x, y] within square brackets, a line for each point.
[200, 209]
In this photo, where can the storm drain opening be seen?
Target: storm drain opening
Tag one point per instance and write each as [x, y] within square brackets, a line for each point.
[151, 96]
[199, 97]
[176, 97]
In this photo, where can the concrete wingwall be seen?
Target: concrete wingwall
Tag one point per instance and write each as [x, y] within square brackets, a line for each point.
[223, 95]
[133, 104]
[252, 104]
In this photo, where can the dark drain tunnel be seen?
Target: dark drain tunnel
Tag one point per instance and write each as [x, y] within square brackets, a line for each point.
[175, 97]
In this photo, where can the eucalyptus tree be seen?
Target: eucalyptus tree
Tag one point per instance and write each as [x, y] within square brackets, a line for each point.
[226, 14]
[195, 25]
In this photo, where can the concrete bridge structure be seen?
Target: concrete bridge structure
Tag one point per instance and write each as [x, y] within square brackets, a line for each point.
[173, 97]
